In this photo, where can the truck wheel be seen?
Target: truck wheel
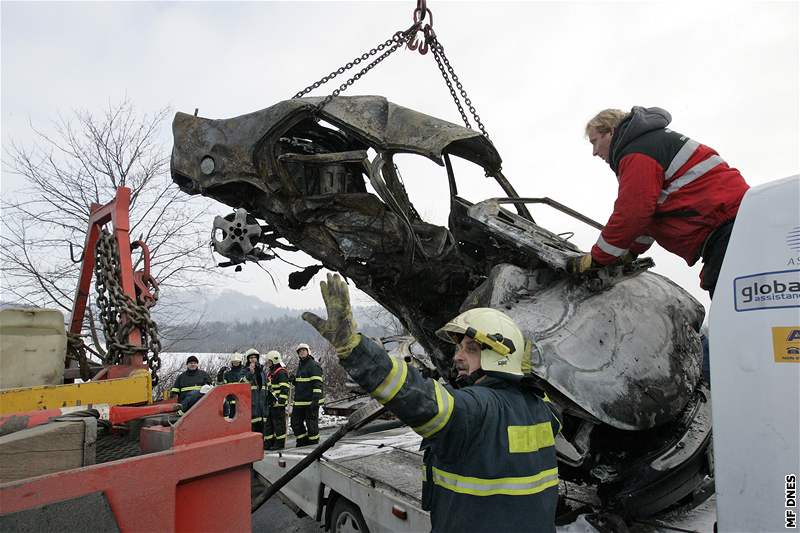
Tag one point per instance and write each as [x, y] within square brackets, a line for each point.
[346, 518]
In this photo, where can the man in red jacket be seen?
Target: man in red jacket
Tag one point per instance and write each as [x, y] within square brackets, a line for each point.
[672, 190]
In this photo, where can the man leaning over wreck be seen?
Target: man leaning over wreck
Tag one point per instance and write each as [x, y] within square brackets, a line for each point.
[489, 454]
[672, 190]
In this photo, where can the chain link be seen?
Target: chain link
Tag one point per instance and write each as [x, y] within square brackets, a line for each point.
[76, 349]
[393, 43]
[113, 303]
[442, 61]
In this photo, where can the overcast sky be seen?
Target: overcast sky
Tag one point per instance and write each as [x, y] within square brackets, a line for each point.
[536, 72]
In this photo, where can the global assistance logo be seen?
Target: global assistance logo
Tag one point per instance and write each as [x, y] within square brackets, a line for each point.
[767, 290]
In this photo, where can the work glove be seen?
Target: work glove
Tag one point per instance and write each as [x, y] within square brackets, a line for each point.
[340, 328]
[580, 264]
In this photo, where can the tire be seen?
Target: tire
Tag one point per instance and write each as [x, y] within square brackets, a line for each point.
[346, 518]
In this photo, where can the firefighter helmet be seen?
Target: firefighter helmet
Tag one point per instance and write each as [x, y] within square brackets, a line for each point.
[251, 351]
[301, 346]
[274, 357]
[236, 358]
[502, 342]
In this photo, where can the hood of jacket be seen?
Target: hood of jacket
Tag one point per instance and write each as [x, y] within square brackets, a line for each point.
[639, 121]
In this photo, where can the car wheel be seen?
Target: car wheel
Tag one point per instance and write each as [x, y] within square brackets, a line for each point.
[346, 518]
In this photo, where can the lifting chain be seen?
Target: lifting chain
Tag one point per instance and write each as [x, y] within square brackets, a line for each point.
[446, 68]
[76, 349]
[391, 45]
[112, 303]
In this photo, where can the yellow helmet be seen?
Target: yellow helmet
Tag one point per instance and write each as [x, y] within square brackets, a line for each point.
[235, 358]
[274, 357]
[502, 342]
[252, 351]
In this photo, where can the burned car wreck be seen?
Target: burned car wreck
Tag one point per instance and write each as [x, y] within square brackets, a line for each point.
[618, 351]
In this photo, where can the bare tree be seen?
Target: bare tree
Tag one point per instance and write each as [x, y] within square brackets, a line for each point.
[81, 160]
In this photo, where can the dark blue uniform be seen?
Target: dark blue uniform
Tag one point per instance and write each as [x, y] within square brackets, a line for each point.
[489, 449]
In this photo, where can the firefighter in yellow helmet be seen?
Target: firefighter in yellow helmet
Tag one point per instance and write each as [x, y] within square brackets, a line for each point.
[309, 395]
[254, 374]
[277, 398]
[233, 375]
[489, 446]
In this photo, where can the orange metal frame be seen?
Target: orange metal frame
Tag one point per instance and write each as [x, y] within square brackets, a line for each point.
[115, 212]
[202, 483]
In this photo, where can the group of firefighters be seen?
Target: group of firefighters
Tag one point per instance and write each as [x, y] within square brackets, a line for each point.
[270, 387]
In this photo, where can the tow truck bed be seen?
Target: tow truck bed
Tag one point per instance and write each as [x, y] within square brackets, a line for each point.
[381, 474]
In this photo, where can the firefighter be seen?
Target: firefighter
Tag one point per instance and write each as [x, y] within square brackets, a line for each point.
[254, 374]
[188, 384]
[235, 374]
[308, 396]
[672, 190]
[277, 398]
[489, 446]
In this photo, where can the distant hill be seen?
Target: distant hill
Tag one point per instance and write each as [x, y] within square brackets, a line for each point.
[228, 320]
[226, 306]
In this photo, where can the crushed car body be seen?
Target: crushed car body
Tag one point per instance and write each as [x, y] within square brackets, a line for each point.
[618, 350]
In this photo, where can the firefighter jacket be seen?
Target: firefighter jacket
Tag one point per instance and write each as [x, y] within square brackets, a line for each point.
[234, 375]
[672, 190]
[489, 449]
[257, 392]
[278, 386]
[308, 385]
[190, 380]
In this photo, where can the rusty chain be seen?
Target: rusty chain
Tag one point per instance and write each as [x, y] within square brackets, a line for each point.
[394, 43]
[112, 303]
[443, 63]
[76, 349]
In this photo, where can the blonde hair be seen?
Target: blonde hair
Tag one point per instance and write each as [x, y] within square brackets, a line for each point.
[605, 121]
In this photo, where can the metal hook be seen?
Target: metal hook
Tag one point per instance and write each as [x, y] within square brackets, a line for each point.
[72, 254]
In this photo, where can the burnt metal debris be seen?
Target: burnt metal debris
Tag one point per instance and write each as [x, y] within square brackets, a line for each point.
[618, 351]
[307, 180]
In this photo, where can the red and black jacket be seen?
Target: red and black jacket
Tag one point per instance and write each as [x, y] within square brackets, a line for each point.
[672, 190]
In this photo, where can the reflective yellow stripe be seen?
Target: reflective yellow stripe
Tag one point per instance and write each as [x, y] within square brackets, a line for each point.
[527, 439]
[392, 383]
[193, 387]
[253, 387]
[312, 378]
[302, 404]
[315, 437]
[444, 404]
[254, 420]
[279, 437]
[510, 486]
[269, 437]
[319, 391]
[174, 389]
[300, 436]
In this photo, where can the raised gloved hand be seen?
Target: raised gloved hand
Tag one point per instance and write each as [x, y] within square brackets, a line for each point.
[340, 328]
[580, 264]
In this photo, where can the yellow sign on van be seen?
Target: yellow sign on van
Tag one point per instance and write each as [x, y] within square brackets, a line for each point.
[786, 344]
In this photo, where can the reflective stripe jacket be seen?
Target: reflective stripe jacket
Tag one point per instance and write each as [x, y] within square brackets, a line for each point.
[672, 190]
[278, 386]
[308, 383]
[234, 375]
[188, 381]
[490, 460]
